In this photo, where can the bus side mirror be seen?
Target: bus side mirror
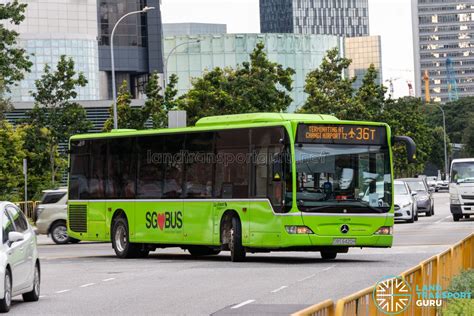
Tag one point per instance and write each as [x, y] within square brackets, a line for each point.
[277, 167]
[409, 144]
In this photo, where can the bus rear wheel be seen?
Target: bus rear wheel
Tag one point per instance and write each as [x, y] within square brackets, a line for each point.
[121, 243]
[237, 251]
[197, 251]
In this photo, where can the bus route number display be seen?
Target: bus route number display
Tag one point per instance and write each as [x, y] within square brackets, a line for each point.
[341, 134]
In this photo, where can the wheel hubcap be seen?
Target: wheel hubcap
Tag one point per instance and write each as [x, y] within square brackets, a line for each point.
[120, 238]
[37, 282]
[60, 233]
[8, 289]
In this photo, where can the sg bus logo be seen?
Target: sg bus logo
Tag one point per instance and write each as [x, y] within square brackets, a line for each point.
[164, 220]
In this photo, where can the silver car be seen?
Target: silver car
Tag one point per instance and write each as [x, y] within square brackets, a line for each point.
[19, 263]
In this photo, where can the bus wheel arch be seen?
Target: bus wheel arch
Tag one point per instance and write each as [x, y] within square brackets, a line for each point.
[120, 234]
[231, 235]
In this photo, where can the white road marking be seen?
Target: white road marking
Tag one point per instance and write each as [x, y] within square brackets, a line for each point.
[328, 268]
[42, 296]
[62, 291]
[242, 304]
[280, 288]
[88, 284]
[439, 221]
[308, 277]
[107, 280]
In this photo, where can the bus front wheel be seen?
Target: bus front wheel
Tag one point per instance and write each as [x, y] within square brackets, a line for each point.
[121, 242]
[328, 255]
[237, 251]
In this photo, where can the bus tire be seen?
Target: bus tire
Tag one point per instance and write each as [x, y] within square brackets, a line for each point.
[237, 251]
[120, 240]
[197, 251]
[328, 255]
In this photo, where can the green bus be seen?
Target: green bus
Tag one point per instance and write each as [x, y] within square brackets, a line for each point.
[245, 183]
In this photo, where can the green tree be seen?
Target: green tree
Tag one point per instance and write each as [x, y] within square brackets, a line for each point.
[468, 137]
[158, 105]
[11, 162]
[406, 116]
[36, 146]
[55, 110]
[330, 92]
[128, 117]
[14, 61]
[255, 86]
[371, 96]
[5, 104]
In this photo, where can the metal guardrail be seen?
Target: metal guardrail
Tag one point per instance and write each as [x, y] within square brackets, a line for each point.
[28, 208]
[439, 269]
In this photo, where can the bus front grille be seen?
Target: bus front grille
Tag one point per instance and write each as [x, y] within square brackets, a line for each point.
[78, 218]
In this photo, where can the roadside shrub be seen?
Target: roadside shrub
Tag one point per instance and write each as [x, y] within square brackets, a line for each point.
[460, 307]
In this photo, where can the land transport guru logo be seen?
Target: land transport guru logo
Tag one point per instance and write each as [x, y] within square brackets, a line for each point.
[392, 295]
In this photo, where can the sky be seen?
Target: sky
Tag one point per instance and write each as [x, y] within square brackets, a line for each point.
[391, 19]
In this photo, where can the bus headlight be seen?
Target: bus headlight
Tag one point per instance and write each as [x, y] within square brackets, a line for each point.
[384, 230]
[298, 230]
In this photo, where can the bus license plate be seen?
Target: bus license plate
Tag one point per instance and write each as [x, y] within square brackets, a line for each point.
[344, 241]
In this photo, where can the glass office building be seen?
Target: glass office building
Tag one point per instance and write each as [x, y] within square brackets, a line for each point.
[333, 17]
[443, 32]
[52, 29]
[303, 53]
[363, 51]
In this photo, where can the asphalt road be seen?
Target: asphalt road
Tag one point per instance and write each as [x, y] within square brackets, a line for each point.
[87, 278]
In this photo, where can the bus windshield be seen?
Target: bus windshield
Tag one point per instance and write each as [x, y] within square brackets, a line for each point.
[338, 178]
[462, 172]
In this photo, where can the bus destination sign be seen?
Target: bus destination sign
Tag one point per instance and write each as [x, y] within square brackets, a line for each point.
[341, 134]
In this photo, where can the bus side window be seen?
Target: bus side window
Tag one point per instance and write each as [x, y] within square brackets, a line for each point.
[79, 174]
[173, 146]
[198, 178]
[98, 166]
[121, 171]
[267, 147]
[151, 159]
[232, 165]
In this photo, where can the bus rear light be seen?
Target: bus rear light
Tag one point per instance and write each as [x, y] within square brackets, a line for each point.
[384, 230]
[298, 230]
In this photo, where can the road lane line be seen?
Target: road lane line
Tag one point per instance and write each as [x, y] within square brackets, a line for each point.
[308, 277]
[62, 291]
[280, 288]
[107, 280]
[242, 304]
[439, 221]
[88, 284]
[328, 268]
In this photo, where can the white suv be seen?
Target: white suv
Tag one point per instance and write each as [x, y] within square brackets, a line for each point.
[51, 216]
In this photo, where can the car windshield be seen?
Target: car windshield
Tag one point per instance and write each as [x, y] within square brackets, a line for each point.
[416, 185]
[462, 172]
[343, 178]
[400, 189]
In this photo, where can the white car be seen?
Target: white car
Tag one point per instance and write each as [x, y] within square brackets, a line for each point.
[19, 262]
[51, 216]
[405, 202]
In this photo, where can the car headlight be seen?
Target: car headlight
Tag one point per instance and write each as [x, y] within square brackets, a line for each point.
[422, 198]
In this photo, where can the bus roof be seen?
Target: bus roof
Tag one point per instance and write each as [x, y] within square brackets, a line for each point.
[263, 117]
[229, 121]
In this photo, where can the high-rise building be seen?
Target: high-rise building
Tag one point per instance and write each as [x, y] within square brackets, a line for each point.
[81, 29]
[137, 43]
[363, 51]
[332, 17]
[189, 58]
[443, 32]
[176, 29]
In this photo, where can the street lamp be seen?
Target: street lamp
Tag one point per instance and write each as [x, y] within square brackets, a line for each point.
[445, 146]
[114, 89]
[165, 66]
